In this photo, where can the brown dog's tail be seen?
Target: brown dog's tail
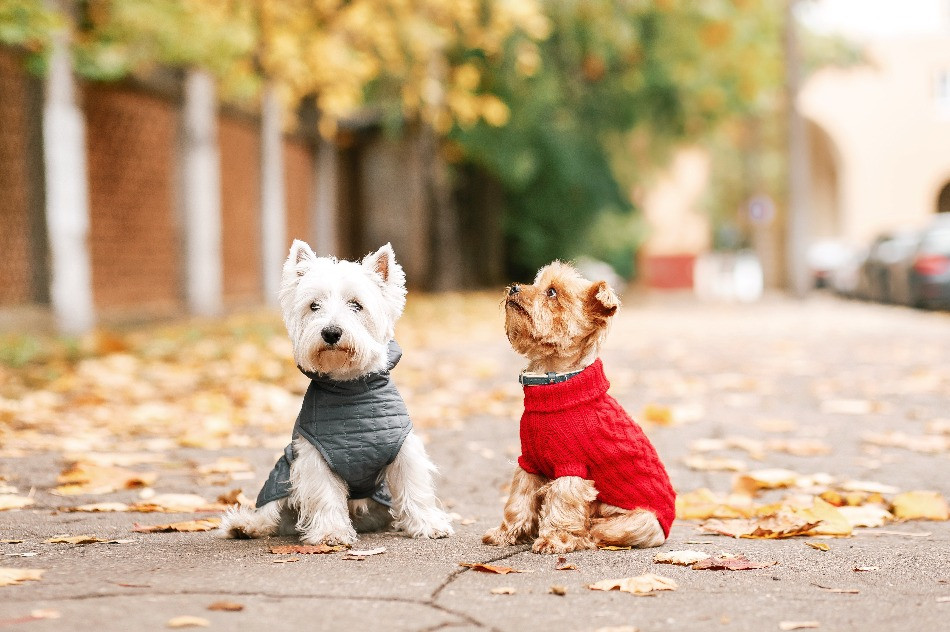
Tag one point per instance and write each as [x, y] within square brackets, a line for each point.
[638, 528]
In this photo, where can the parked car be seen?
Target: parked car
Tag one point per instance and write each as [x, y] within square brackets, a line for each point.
[900, 261]
[824, 257]
[845, 279]
[885, 251]
[929, 276]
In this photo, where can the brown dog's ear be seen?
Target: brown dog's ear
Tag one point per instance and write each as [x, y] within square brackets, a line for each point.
[602, 302]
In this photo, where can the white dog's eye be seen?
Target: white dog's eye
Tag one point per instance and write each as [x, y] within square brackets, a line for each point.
[314, 306]
[355, 306]
[552, 292]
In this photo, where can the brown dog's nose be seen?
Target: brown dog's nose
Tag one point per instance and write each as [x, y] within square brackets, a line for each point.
[514, 289]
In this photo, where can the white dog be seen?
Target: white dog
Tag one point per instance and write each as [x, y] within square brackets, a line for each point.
[354, 464]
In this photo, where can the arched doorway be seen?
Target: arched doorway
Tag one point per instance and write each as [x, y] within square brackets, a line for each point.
[824, 194]
[943, 199]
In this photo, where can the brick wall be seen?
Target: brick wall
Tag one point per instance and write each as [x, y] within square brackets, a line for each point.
[239, 142]
[133, 240]
[298, 189]
[15, 282]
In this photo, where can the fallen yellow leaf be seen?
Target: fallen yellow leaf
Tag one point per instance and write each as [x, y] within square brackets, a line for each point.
[821, 546]
[920, 505]
[14, 576]
[12, 501]
[88, 478]
[797, 625]
[639, 585]
[187, 621]
[206, 524]
[830, 520]
[681, 558]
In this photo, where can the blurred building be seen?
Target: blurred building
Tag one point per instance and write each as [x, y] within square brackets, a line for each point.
[880, 132]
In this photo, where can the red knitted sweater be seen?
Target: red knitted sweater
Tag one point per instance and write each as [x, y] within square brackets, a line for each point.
[576, 429]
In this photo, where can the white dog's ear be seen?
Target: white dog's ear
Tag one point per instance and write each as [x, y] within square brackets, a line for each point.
[383, 263]
[602, 301]
[300, 259]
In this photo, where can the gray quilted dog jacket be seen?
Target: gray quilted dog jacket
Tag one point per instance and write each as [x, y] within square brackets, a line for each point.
[358, 426]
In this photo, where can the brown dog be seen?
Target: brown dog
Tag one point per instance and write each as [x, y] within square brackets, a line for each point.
[587, 474]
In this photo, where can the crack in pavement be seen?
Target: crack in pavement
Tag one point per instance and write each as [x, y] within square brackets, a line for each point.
[463, 618]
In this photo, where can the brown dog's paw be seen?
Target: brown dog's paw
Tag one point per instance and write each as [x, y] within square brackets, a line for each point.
[561, 542]
[502, 536]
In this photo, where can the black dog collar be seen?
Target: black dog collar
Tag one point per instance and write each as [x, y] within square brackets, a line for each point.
[539, 379]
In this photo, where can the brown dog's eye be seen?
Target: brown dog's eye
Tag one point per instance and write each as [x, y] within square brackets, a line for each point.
[552, 292]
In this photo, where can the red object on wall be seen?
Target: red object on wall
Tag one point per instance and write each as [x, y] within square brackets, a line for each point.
[668, 272]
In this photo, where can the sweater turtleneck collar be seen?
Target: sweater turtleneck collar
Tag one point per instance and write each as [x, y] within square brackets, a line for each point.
[587, 385]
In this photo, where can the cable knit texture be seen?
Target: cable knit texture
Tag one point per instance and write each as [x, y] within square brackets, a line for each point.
[576, 429]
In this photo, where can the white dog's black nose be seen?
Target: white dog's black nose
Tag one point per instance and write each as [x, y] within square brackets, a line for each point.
[331, 335]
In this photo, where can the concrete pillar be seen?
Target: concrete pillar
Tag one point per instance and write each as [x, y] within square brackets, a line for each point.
[67, 194]
[273, 202]
[201, 195]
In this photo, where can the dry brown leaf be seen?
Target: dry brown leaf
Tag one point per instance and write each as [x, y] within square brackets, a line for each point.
[639, 585]
[558, 590]
[187, 621]
[226, 606]
[98, 507]
[14, 576]
[12, 501]
[306, 549]
[821, 546]
[774, 478]
[864, 569]
[488, 568]
[681, 558]
[920, 505]
[503, 590]
[83, 539]
[781, 525]
[563, 565]
[176, 503]
[205, 524]
[730, 563]
[797, 625]
[235, 497]
[88, 478]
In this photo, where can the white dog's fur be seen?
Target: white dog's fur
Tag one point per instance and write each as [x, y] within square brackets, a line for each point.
[363, 300]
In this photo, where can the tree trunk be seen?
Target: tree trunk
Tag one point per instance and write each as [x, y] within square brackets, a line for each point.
[67, 194]
[273, 202]
[201, 195]
[797, 232]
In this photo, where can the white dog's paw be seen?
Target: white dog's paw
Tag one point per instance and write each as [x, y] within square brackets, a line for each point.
[244, 523]
[334, 538]
[434, 524]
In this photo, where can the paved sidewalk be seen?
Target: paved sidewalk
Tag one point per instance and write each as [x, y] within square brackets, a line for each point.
[826, 370]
